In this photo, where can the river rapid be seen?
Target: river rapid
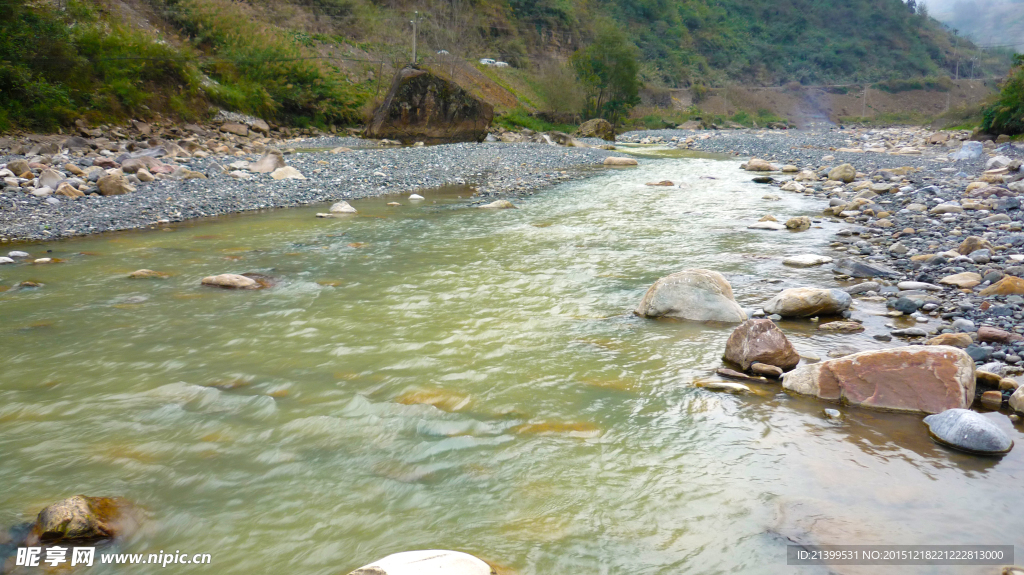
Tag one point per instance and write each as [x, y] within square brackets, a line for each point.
[439, 376]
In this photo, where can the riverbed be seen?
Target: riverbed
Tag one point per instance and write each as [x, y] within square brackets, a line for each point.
[434, 375]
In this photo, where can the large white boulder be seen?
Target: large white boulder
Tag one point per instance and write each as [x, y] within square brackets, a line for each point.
[431, 562]
[693, 294]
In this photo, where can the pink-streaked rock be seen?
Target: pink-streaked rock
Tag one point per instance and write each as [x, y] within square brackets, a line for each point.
[928, 379]
[996, 335]
[760, 341]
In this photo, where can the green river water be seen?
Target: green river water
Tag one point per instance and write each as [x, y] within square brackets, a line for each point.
[436, 376]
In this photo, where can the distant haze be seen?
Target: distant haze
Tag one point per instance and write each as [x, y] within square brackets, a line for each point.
[986, 22]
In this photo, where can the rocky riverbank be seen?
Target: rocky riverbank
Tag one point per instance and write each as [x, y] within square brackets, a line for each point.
[928, 224]
[131, 178]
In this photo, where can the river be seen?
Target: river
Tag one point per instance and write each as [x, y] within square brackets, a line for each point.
[438, 376]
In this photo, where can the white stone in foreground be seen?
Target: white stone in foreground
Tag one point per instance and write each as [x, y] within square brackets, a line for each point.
[806, 260]
[432, 562]
[766, 226]
[287, 173]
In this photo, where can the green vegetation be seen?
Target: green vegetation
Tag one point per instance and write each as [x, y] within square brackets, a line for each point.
[608, 68]
[520, 118]
[930, 83]
[1006, 116]
[320, 62]
[58, 66]
[670, 119]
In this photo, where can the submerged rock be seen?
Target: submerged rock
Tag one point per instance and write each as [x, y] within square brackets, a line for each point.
[145, 274]
[231, 281]
[432, 562]
[82, 518]
[968, 431]
[760, 341]
[929, 379]
[726, 386]
[498, 205]
[808, 302]
[692, 294]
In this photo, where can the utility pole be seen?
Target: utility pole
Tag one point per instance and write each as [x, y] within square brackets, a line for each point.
[864, 114]
[973, 60]
[955, 49]
[416, 16]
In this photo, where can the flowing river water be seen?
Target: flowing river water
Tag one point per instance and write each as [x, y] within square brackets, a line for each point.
[437, 376]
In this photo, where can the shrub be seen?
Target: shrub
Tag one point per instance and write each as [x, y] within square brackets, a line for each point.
[1006, 116]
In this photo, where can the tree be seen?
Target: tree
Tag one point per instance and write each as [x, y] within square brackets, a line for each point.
[608, 68]
[1006, 116]
[912, 6]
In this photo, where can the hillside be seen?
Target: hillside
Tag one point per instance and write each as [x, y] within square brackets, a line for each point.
[986, 22]
[326, 62]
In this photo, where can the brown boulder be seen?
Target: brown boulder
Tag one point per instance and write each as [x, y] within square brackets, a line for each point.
[760, 341]
[19, 167]
[82, 518]
[996, 335]
[234, 128]
[960, 340]
[422, 107]
[114, 186]
[962, 280]
[619, 161]
[67, 190]
[270, 161]
[597, 128]
[972, 244]
[929, 379]
[145, 274]
[1009, 285]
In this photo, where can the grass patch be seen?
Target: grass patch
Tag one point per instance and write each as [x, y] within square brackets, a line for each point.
[517, 119]
[929, 83]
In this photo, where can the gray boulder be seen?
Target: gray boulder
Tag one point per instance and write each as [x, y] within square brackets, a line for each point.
[692, 294]
[968, 431]
[808, 302]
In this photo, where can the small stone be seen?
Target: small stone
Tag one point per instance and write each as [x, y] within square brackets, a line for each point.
[960, 340]
[147, 274]
[964, 325]
[833, 414]
[766, 370]
[841, 327]
[498, 205]
[416, 197]
[910, 332]
[992, 399]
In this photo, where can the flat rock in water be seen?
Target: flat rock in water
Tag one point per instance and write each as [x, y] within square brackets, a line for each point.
[841, 327]
[862, 288]
[231, 281]
[342, 207]
[929, 379]
[858, 269]
[766, 226]
[432, 562]
[498, 205]
[806, 260]
[145, 274]
[731, 373]
[968, 431]
[727, 386]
